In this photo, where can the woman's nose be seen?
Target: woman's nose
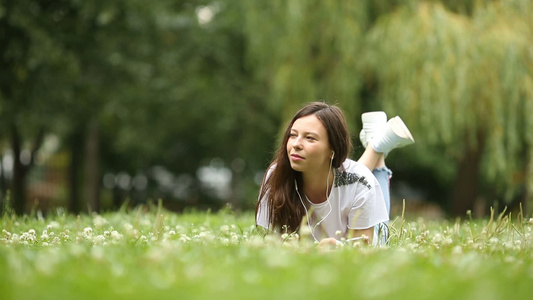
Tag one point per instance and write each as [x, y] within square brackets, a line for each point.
[297, 143]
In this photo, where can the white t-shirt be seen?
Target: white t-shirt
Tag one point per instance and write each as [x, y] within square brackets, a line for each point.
[355, 202]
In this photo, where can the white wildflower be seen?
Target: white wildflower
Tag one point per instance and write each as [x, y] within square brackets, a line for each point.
[224, 228]
[99, 221]
[87, 230]
[234, 238]
[338, 232]
[437, 238]
[99, 240]
[128, 227]
[115, 235]
[15, 238]
[53, 225]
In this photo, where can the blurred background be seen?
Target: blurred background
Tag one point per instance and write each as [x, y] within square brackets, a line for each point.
[113, 103]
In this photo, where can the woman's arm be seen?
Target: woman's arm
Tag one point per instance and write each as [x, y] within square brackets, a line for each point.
[354, 234]
[357, 234]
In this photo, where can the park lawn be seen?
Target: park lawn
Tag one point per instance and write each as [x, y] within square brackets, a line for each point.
[150, 253]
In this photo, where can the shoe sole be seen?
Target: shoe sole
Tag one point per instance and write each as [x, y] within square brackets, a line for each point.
[400, 129]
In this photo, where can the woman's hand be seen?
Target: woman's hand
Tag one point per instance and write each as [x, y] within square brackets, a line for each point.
[328, 243]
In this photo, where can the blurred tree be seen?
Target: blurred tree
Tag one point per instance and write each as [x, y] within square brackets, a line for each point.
[200, 103]
[307, 50]
[465, 85]
[30, 94]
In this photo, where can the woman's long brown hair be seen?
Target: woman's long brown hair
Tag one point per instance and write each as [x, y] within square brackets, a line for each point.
[285, 211]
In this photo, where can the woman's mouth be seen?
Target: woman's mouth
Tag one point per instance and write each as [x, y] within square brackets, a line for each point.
[296, 157]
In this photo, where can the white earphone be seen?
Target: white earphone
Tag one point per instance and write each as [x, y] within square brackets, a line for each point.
[307, 213]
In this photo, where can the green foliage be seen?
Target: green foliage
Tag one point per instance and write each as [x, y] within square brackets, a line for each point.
[168, 88]
[149, 252]
[458, 77]
[310, 52]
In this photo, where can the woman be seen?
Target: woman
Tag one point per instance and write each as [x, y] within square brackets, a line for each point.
[311, 177]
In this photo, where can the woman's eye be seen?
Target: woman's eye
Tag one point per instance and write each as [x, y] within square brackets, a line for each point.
[311, 138]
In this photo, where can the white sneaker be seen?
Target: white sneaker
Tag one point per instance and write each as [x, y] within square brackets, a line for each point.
[394, 135]
[373, 122]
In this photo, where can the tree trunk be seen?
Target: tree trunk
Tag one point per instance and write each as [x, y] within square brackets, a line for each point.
[20, 170]
[75, 145]
[93, 167]
[465, 190]
[3, 188]
[18, 189]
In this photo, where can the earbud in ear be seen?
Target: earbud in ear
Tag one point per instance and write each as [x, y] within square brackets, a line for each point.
[332, 154]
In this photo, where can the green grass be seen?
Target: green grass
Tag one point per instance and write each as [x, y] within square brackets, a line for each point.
[150, 253]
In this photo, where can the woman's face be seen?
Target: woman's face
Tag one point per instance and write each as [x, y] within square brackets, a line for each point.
[308, 145]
